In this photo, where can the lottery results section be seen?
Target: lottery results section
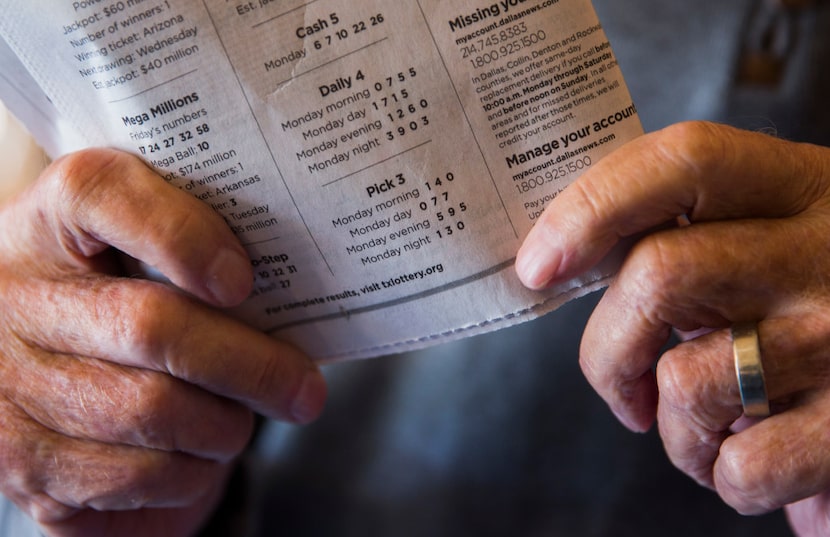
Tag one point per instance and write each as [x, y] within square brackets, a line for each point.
[380, 160]
[371, 141]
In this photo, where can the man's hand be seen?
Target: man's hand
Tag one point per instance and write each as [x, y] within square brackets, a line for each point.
[123, 402]
[756, 251]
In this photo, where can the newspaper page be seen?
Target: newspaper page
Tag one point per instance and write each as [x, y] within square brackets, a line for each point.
[380, 160]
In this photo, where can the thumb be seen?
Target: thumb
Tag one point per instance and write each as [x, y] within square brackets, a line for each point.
[704, 171]
[89, 201]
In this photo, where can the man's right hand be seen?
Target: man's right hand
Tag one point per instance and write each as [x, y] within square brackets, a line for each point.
[123, 402]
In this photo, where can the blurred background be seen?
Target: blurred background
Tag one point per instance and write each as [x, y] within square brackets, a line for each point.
[500, 434]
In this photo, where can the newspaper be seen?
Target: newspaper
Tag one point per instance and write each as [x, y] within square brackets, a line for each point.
[380, 160]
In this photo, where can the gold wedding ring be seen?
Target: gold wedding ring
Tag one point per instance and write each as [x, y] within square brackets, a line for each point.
[750, 371]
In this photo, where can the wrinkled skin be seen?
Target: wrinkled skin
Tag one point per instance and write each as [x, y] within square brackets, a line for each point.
[757, 250]
[124, 402]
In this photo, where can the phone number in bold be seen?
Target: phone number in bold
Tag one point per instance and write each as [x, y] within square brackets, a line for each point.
[508, 49]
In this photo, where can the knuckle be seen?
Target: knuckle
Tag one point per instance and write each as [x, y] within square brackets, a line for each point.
[677, 381]
[135, 478]
[77, 178]
[654, 265]
[154, 410]
[21, 470]
[145, 480]
[686, 389]
[592, 197]
[739, 481]
[657, 276]
[123, 405]
[180, 221]
[146, 319]
[696, 145]
[79, 185]
[139, 473]
[23, 448]
[145, 419]
[223, 430]
[28, 463]
[692, 435]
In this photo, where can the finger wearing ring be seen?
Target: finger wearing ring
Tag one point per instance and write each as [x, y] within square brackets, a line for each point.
[750, 370]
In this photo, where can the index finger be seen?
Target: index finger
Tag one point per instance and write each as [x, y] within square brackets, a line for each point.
[699, 170]
[147, 325]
